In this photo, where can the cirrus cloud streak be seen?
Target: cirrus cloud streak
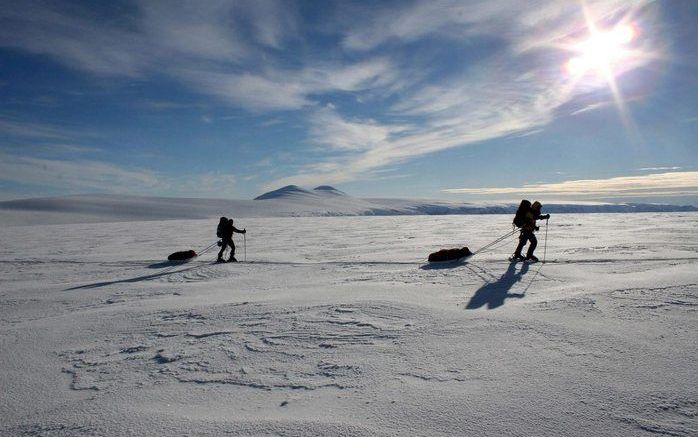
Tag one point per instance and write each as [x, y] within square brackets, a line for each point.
[659, 184]
[87, 176]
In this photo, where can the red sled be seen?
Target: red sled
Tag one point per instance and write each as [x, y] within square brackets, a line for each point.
[449, 255]
[182, 256]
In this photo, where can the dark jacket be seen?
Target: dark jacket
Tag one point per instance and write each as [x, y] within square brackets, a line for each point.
[228, 230]
[530, 220]
[532, 215]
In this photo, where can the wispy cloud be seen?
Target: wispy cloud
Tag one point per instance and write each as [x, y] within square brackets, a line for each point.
[153, 35]
[328, 128]
[592, 107]
[658, 168]
[60, 149]
[211, 184]
[527, 25]
[419, 19]
[163, 105]
[44, 139]
[70, 37]
[25, 129]
[251, 91]
[266, 162]
[235, 52]
[271, 122]
[488, 105]
[80, 176]
[285, 89]
[659, 185]
[515, 90]
[219, 48]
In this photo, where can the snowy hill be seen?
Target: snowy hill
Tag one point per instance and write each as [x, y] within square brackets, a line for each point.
[296, 192]
[287, 192]
[327, 190]
[287, 201]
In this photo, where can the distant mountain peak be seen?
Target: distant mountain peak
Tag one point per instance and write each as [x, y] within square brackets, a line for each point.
[294, 191]
[287, 191]
[329, 190]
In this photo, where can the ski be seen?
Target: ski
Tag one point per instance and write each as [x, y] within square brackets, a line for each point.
[514, 259]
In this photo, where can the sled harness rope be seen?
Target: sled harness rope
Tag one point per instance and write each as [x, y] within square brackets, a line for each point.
[203, 251]
[490, 245]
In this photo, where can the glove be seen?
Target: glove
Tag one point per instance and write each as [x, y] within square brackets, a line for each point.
[546, 217]
[244, 231]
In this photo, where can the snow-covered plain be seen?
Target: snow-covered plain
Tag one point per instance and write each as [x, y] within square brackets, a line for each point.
[336, 326]
[289, 201]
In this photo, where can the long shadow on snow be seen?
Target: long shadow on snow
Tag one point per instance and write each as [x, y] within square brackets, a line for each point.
[441, 265]
[164, 264]
[493, 294]
[167, 271]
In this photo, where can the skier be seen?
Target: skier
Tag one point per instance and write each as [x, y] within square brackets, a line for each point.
[225, 231]
[529, 226]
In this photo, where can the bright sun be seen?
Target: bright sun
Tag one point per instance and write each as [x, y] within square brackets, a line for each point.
[602, 52]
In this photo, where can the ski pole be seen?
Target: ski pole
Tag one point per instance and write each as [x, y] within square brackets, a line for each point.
[244, 244]
[545, 243]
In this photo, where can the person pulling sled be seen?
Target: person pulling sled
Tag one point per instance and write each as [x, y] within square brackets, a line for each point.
[525, 218]
[225, 232]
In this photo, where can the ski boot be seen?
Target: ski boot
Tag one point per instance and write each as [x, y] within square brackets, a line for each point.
[532, 259]
[232, 260]
[516, 258]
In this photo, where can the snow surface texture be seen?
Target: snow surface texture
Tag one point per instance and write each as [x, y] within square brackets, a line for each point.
[284, 202]
[337, 326]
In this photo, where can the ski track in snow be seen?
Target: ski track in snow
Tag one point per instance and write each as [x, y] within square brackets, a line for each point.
[337, 326]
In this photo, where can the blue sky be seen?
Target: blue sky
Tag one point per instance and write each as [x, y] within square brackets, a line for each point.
[469, 100]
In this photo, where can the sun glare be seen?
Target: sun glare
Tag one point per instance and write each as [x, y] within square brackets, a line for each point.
[603, 56]
[602, 51]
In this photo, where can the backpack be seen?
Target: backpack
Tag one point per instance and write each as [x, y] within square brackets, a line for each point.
[221, 225]
[520, 217]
